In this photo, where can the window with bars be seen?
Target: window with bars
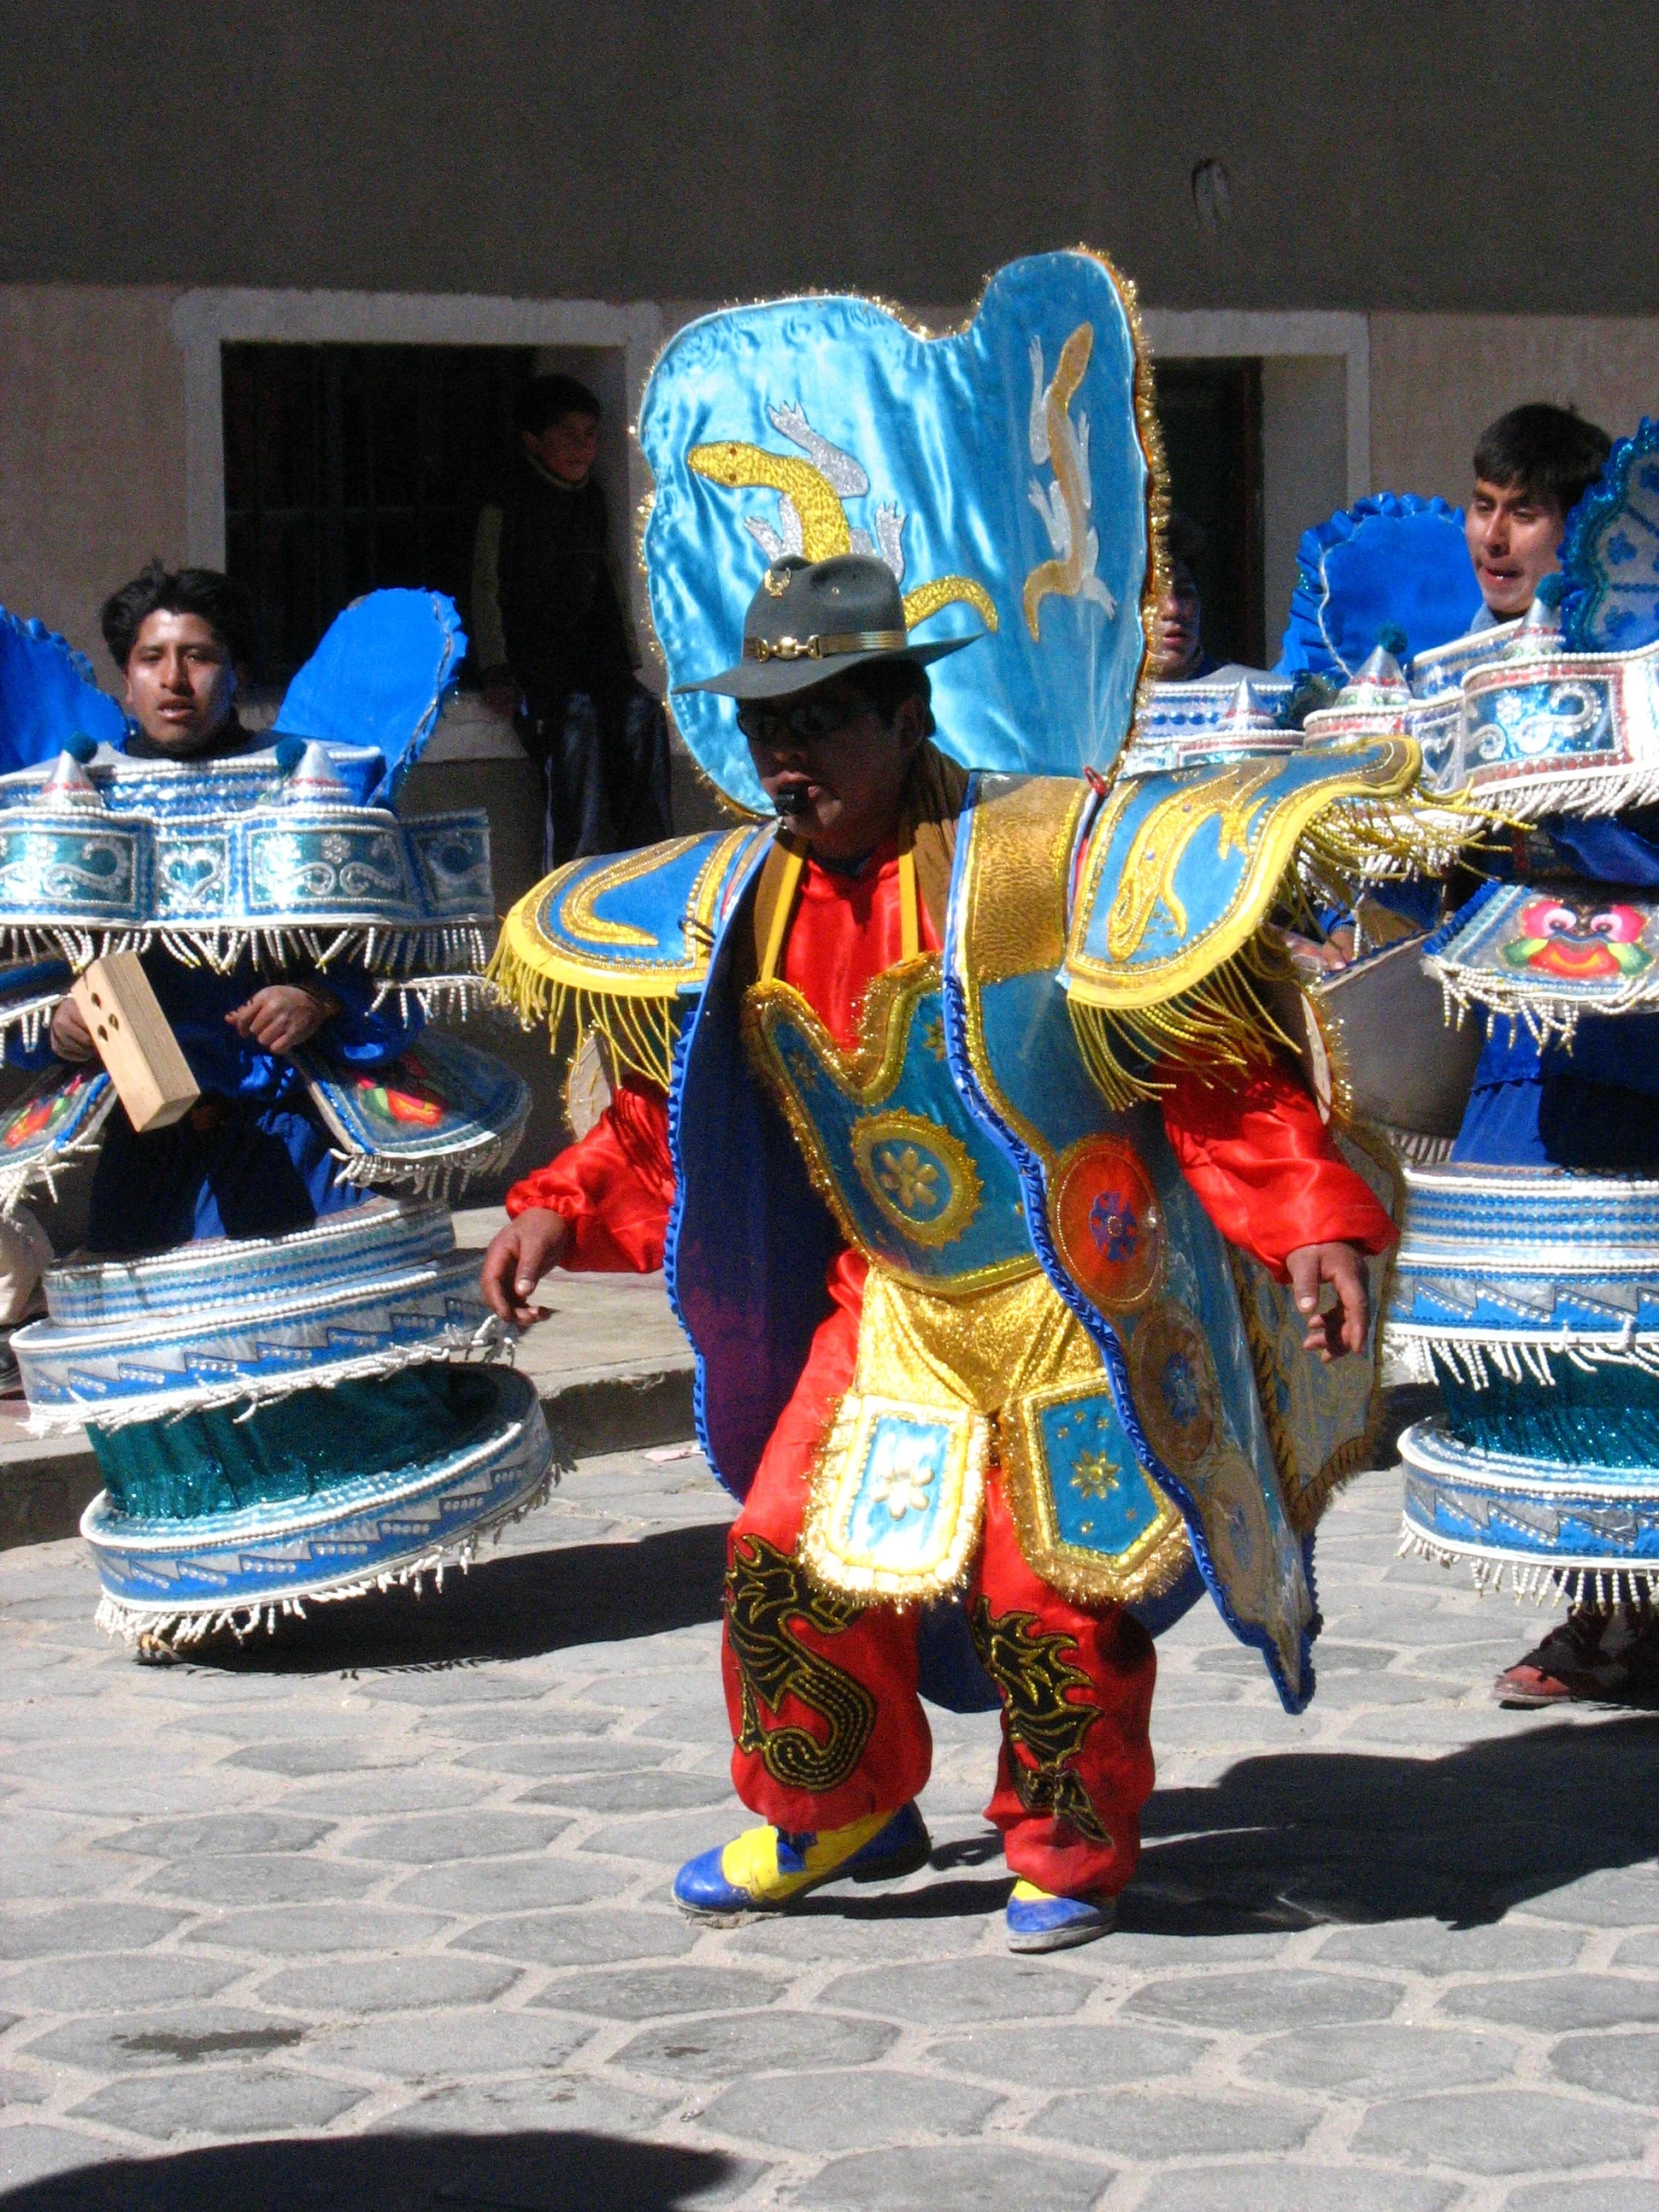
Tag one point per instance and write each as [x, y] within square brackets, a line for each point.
[347, 467]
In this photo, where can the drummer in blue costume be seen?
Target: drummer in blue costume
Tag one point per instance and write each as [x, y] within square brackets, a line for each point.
[286, 1375]
[1559, 1143]
[253, 1159]
[948, 1097]
[1528, 1278]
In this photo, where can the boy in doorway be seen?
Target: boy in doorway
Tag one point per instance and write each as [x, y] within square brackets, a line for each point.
[554, 642]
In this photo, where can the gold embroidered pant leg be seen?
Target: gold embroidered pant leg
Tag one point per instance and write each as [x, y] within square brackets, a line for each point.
[1076, 1687]
[827, 1725]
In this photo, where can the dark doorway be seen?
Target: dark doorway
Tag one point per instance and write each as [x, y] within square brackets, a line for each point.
[1210, 415]
[347, 467]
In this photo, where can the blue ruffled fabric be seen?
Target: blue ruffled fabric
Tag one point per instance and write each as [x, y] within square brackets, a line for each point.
[246, 1170]
[1391, 558]
[380, 677]
[47, 696]
[1610, 552]
[1611, 850]
[1595, 1106]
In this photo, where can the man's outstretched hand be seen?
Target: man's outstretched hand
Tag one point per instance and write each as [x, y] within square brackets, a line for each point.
[1343, 1266]
[518, 1257]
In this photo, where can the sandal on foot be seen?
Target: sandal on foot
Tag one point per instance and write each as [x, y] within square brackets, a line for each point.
[1587, 1659]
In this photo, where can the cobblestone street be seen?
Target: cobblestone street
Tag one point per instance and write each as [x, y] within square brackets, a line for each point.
[376, 1914]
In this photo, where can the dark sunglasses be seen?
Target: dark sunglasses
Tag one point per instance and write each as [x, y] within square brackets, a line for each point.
[809, 720]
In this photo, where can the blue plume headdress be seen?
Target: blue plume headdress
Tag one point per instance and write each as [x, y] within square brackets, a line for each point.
[48, 697]
[380, 678]
[1611, 555]
[1391, 560]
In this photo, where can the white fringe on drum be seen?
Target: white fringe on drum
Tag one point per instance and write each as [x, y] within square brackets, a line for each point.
[1519, 1359]
[1542, 1581]
[438, 996]
[1524, 1005]
[492, 1345]
[17, 1182]
[133, 1623]
[428, 1178]
[1572, 792]
[1414, 1147]
[29, 1017]
[392, 949]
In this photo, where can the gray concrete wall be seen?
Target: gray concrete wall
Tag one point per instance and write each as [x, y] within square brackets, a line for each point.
[93, 449]
[1497, 156]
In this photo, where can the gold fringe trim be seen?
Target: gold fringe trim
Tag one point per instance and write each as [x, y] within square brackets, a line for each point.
[1363, 840]
[1227, 1023]
[1223, 1027]
[641, 1032]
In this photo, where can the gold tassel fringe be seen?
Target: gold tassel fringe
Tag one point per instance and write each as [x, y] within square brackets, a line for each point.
[641, 1032]
[1223, 1026]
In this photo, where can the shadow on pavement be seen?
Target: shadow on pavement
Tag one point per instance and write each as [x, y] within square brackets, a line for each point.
[1295, 1838]
[1285, 1840]
[526, 2172]
[513, 1607]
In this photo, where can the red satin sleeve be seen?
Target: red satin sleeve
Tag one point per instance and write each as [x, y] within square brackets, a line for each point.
[614, 1186]
[1265, 1168]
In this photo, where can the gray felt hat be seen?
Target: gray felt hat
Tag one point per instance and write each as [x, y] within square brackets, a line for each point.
[811, 620]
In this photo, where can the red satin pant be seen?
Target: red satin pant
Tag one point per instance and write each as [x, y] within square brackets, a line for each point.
[822, 1693]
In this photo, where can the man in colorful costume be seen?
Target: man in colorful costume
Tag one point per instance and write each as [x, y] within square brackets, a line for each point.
[957, 1050]
[1530, 1271]
[259, 1347]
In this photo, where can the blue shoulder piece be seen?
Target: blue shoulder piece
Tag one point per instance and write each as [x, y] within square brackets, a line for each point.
[380, 678]
[1611, 555]
[623, 939]
[629, 924]
[1390, 558]
[1181, 869]
[46, 696]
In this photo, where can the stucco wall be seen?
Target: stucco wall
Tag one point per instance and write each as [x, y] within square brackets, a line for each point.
[1502, 154]
[93, 426]
[92, 449]
[1436, 380]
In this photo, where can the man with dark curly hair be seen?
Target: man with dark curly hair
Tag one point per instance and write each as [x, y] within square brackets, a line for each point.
[253, 1159]
[1531, 468]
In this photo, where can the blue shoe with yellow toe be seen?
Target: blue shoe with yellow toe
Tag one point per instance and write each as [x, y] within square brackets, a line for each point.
[1037, 1921]
[768, 1867]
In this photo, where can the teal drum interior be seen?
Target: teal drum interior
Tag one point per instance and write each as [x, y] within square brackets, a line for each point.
[1606, 1417]
[296, 1446]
